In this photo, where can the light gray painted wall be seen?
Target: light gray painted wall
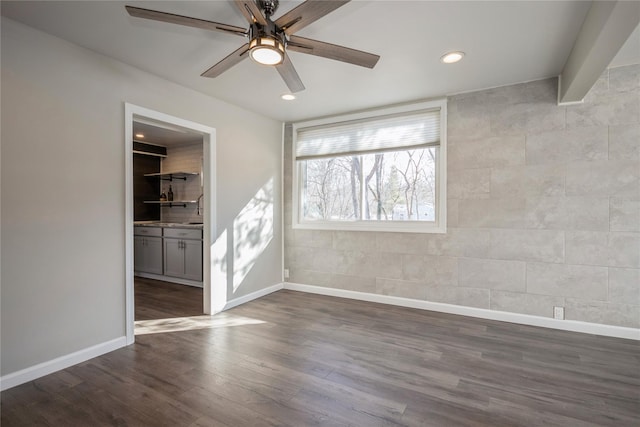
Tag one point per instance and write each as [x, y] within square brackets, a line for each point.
[63, 189]
[543, 210]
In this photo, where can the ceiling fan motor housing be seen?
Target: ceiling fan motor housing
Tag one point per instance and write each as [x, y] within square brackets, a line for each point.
[271, 30]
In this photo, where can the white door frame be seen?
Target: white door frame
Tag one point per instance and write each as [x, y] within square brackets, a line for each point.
[133, 112]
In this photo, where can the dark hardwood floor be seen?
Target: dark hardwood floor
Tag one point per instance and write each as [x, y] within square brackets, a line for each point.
[295, 359]
[155, 299]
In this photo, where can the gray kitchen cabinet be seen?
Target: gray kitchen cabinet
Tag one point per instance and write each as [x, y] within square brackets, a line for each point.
[147, 231]
[193, 259]
[147, 256]
[183, 254]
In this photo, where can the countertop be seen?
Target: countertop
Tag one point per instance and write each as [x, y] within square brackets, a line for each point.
[166, 224]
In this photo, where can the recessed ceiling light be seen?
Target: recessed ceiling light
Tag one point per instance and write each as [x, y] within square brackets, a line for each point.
[288, 97]
[451, 57]
[139, 135]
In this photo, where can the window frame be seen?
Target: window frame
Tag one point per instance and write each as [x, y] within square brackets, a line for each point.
[440, 223]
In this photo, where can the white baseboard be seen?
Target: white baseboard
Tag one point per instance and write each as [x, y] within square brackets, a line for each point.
[253, 295]
[482, 313]
[41, 369]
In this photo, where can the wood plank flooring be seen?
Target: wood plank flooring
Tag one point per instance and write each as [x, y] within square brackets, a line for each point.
[295, 359]
[155, 299]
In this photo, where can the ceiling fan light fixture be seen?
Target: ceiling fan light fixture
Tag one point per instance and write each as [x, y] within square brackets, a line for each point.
[266, 50]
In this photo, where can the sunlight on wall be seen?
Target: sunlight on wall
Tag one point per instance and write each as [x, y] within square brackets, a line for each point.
[252, 232]
[178, 324]
[219, 273]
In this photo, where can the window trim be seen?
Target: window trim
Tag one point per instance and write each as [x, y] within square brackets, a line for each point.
[440, 224]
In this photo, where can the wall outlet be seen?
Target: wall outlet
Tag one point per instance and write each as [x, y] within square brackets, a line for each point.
[558, 313]
[286, 273]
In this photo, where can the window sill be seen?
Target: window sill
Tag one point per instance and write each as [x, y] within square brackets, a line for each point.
[374, 226]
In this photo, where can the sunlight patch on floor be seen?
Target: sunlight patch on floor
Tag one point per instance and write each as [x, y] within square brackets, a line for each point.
[179, 324]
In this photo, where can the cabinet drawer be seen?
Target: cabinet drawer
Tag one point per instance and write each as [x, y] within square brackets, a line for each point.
[147, 231]
[183, 233]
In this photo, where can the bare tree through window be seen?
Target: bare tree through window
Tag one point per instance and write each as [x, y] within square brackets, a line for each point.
[397, 185]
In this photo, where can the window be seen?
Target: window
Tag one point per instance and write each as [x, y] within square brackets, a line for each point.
[379, 171]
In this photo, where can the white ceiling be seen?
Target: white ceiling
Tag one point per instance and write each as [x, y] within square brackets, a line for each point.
[163, 134]
[505, 43]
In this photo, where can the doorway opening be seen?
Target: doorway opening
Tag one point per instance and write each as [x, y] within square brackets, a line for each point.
[170, 207]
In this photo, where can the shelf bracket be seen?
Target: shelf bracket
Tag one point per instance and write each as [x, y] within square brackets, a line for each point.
[171, 178]
[184, 205]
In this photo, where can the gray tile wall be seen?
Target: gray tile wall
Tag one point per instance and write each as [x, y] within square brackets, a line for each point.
[543, 210]
[183, 158]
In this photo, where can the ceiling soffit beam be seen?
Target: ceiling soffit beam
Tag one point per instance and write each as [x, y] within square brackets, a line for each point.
[606, 28]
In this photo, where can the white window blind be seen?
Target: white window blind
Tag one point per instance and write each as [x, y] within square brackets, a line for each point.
[417, 129]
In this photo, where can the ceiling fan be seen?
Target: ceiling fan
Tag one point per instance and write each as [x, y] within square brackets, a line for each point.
[269, 40]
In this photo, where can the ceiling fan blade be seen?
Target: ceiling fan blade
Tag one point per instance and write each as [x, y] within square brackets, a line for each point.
[332, 51]
[290, 75]
[155, 15]
[251, 11]
[228, 62]
[306, 13]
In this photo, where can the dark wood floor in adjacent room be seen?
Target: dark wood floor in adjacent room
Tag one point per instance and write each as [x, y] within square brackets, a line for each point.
[155, 299]
[295, 359]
